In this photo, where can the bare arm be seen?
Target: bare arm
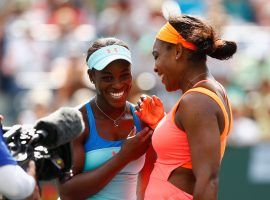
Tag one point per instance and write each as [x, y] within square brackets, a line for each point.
[83, 185]
[199, 119]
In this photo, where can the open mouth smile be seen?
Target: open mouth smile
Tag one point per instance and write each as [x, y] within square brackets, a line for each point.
[117, 95]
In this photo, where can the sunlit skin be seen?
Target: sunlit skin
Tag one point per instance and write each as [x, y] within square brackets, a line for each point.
[115, 78]
[174, 68]
[164, 64]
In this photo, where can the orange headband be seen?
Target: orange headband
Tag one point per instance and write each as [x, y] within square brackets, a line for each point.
[168, 34]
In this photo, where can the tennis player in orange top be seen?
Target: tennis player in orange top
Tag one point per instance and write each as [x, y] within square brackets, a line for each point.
[190, 140]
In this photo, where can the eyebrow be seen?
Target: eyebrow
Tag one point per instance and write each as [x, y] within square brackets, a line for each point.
[125, 69]
[106, 72]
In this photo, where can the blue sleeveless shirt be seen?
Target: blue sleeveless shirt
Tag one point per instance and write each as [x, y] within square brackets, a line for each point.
[98, 150]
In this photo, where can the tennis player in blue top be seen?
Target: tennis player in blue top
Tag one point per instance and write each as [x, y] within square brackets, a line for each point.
[110, 154]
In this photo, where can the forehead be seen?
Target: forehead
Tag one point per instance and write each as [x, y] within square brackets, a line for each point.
[158, 45]
[116, 66]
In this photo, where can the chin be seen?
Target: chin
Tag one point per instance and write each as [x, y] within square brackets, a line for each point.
[118, 103]
[170, 89]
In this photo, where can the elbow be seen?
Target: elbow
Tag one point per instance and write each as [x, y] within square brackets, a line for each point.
[64, 192]
[206, 188]
[213, 183]
[212, 178]
[70, 191]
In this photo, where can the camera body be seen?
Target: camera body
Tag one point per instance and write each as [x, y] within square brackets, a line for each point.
[50, 163]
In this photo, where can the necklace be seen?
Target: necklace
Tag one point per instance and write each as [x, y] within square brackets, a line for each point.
[115, 121]
[198, 76]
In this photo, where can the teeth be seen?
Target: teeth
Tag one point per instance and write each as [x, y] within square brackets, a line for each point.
[117, 95]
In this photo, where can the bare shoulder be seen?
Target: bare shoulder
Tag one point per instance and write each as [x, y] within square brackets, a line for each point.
[195, 107]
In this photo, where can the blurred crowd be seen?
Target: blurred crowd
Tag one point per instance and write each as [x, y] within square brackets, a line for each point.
[43, 44]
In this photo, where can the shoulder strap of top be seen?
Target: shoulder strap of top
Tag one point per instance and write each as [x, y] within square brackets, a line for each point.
[214, 82]
[136, 119]
[91, 120]
[225, 95]
[229, 104]
[218, 101]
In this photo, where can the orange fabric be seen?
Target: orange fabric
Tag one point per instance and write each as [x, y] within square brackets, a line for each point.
[172, 148]
[168, 34]
[165, 190]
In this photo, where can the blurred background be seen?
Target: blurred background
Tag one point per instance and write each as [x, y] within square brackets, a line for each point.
[43, 46]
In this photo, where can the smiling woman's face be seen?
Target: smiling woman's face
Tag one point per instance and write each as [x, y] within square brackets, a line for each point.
[166, 66]
[114, 82]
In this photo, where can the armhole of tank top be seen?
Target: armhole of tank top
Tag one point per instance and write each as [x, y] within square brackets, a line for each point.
[136, 119]
[217, 99]
[89, 112]
[225, 99]
[194, 87]
[230, 116]
[214, 83]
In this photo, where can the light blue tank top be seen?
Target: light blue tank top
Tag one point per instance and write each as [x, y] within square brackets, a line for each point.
[98, 150]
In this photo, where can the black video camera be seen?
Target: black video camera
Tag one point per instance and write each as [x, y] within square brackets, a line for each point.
[50, 163]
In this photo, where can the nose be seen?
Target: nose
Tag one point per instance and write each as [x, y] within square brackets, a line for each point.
[118, 84]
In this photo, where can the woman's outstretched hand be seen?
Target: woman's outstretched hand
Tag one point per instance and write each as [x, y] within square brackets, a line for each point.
[150, 110]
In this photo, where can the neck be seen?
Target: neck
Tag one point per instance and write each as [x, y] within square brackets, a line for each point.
[107, 108]
[194, 76]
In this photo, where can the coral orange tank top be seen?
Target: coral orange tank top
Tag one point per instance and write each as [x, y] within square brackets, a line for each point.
[171, 143]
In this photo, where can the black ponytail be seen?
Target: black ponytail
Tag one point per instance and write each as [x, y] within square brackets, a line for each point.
[223, 49]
